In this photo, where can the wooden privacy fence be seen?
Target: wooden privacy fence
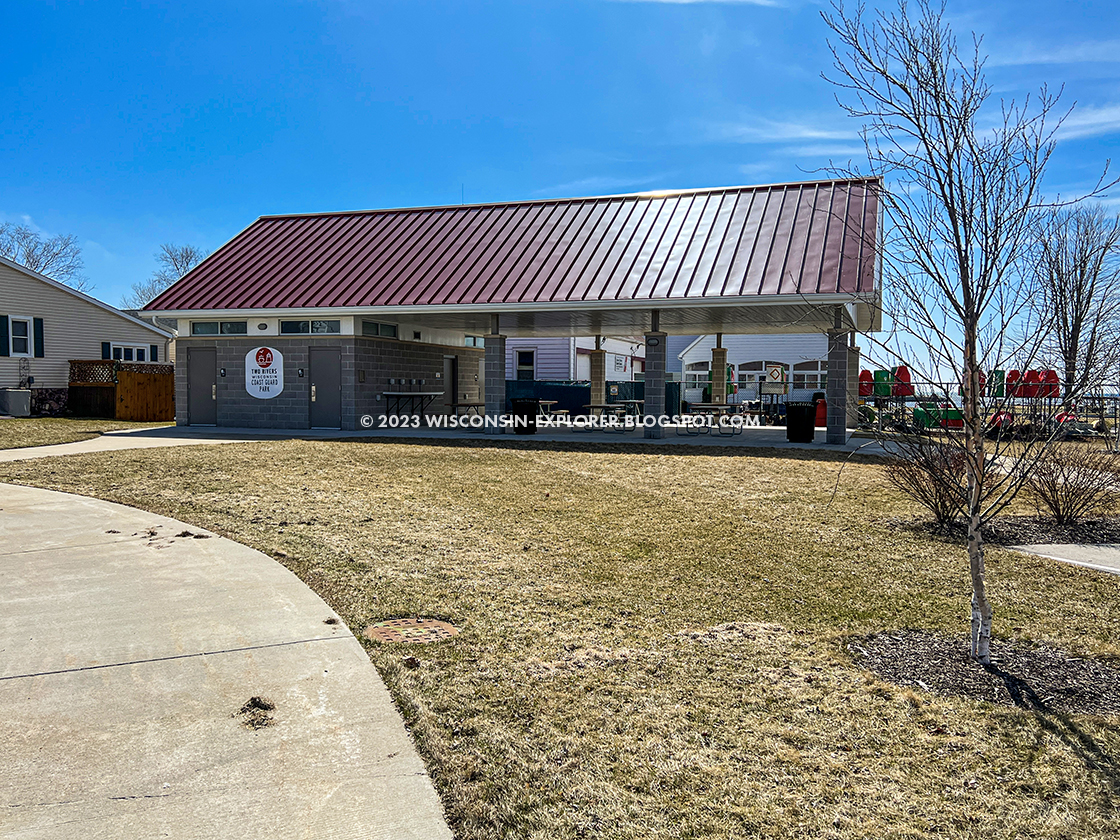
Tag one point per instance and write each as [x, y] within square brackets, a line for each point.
[122, 390]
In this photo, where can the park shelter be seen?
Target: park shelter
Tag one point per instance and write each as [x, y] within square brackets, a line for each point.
[361, 304]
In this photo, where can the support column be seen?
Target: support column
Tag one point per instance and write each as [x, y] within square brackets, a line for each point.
[655, 382]
[719, 371]
[598, 374]
[495, 385]
[836, 391]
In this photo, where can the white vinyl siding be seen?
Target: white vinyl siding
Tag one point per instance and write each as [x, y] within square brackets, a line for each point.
[788, 350]
[552, 357]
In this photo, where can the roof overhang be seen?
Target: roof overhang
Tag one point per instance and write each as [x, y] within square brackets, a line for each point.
[774, 314]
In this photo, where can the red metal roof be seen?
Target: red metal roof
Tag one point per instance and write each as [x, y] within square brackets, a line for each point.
[787, 239]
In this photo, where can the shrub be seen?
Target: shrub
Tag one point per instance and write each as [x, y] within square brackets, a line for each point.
[931, 472]
[1074, 481]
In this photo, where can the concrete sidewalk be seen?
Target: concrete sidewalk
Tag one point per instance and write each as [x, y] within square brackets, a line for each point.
[1104, 557]
[127, 649]
[754, 437]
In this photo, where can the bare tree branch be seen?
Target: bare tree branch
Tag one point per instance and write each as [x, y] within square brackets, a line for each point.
[174, 262]
[963, 184]
[59, 257]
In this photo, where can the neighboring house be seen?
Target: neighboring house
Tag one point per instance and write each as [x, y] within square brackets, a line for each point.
[804, 359]
[566, 359]
[675, 345]
[44, 324]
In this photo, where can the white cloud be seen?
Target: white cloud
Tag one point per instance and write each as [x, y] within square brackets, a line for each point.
[1085, 52]
[825, 150]
[763, 130]
[1090, 122]
[599, 184]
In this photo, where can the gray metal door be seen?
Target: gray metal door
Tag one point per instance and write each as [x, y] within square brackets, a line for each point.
[326, 388]
[450, 383]
[202, 386]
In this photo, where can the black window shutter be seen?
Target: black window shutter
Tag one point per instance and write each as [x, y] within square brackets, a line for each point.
[106, 350]
[153, 355]
[4, 351]
[37, 328]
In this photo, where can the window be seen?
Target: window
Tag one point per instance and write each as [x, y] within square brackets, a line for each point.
[375, 328]
[696, 374]
[21, 336]
[219, 328]
[310, 327]
[127, 353]
[475, 341]
[810, 375]
[526, 364]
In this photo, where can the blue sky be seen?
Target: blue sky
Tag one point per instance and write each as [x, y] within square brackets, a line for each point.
[133, 124]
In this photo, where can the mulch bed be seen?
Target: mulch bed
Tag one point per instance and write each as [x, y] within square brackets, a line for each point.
[1036, 677]
[1025, 530]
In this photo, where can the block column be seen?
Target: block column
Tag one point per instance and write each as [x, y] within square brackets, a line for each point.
[494, 386]
[598, 374]
[719, 375]
[836, 391]
[655, 382]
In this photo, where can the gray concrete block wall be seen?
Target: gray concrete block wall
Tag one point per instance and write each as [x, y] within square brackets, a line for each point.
[495, 384]
[383, 359]
[655, 381]
[836, 390]
[379, 359]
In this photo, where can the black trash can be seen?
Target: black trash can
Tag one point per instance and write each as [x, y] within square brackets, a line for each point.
[801, 418]
[525, 416]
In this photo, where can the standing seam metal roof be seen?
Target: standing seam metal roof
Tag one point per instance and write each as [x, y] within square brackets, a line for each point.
[786, 239]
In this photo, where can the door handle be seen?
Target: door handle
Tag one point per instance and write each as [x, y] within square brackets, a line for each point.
[214, 391]
[312, 393]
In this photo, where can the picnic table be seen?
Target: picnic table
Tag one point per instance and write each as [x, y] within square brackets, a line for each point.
[468, 408]
[716, 410]
[634, 407]
[603, 410]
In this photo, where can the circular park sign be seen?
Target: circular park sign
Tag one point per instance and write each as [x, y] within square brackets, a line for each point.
[264, 372]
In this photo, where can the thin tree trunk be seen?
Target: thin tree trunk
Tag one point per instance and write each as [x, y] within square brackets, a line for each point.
[981, 608]
[1071, 373]
[974, 466]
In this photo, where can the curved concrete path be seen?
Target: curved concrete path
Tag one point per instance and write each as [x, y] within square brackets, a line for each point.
[127, 649]
[1104, 557]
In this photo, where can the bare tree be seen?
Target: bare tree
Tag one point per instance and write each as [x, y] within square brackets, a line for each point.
[58, 257]
[174, 262]
[963, 179]
[1076, 253]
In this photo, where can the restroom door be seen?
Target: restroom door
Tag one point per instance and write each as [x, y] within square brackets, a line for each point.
[450, 383]
[202, 386]
[326, 388]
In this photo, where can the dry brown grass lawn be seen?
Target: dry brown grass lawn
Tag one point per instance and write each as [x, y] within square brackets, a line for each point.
[651, 642]
[42, 431]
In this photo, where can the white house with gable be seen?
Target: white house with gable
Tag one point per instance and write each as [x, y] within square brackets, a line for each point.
[804, 360]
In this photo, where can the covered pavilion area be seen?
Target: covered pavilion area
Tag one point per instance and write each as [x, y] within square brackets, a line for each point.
[786, 258]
